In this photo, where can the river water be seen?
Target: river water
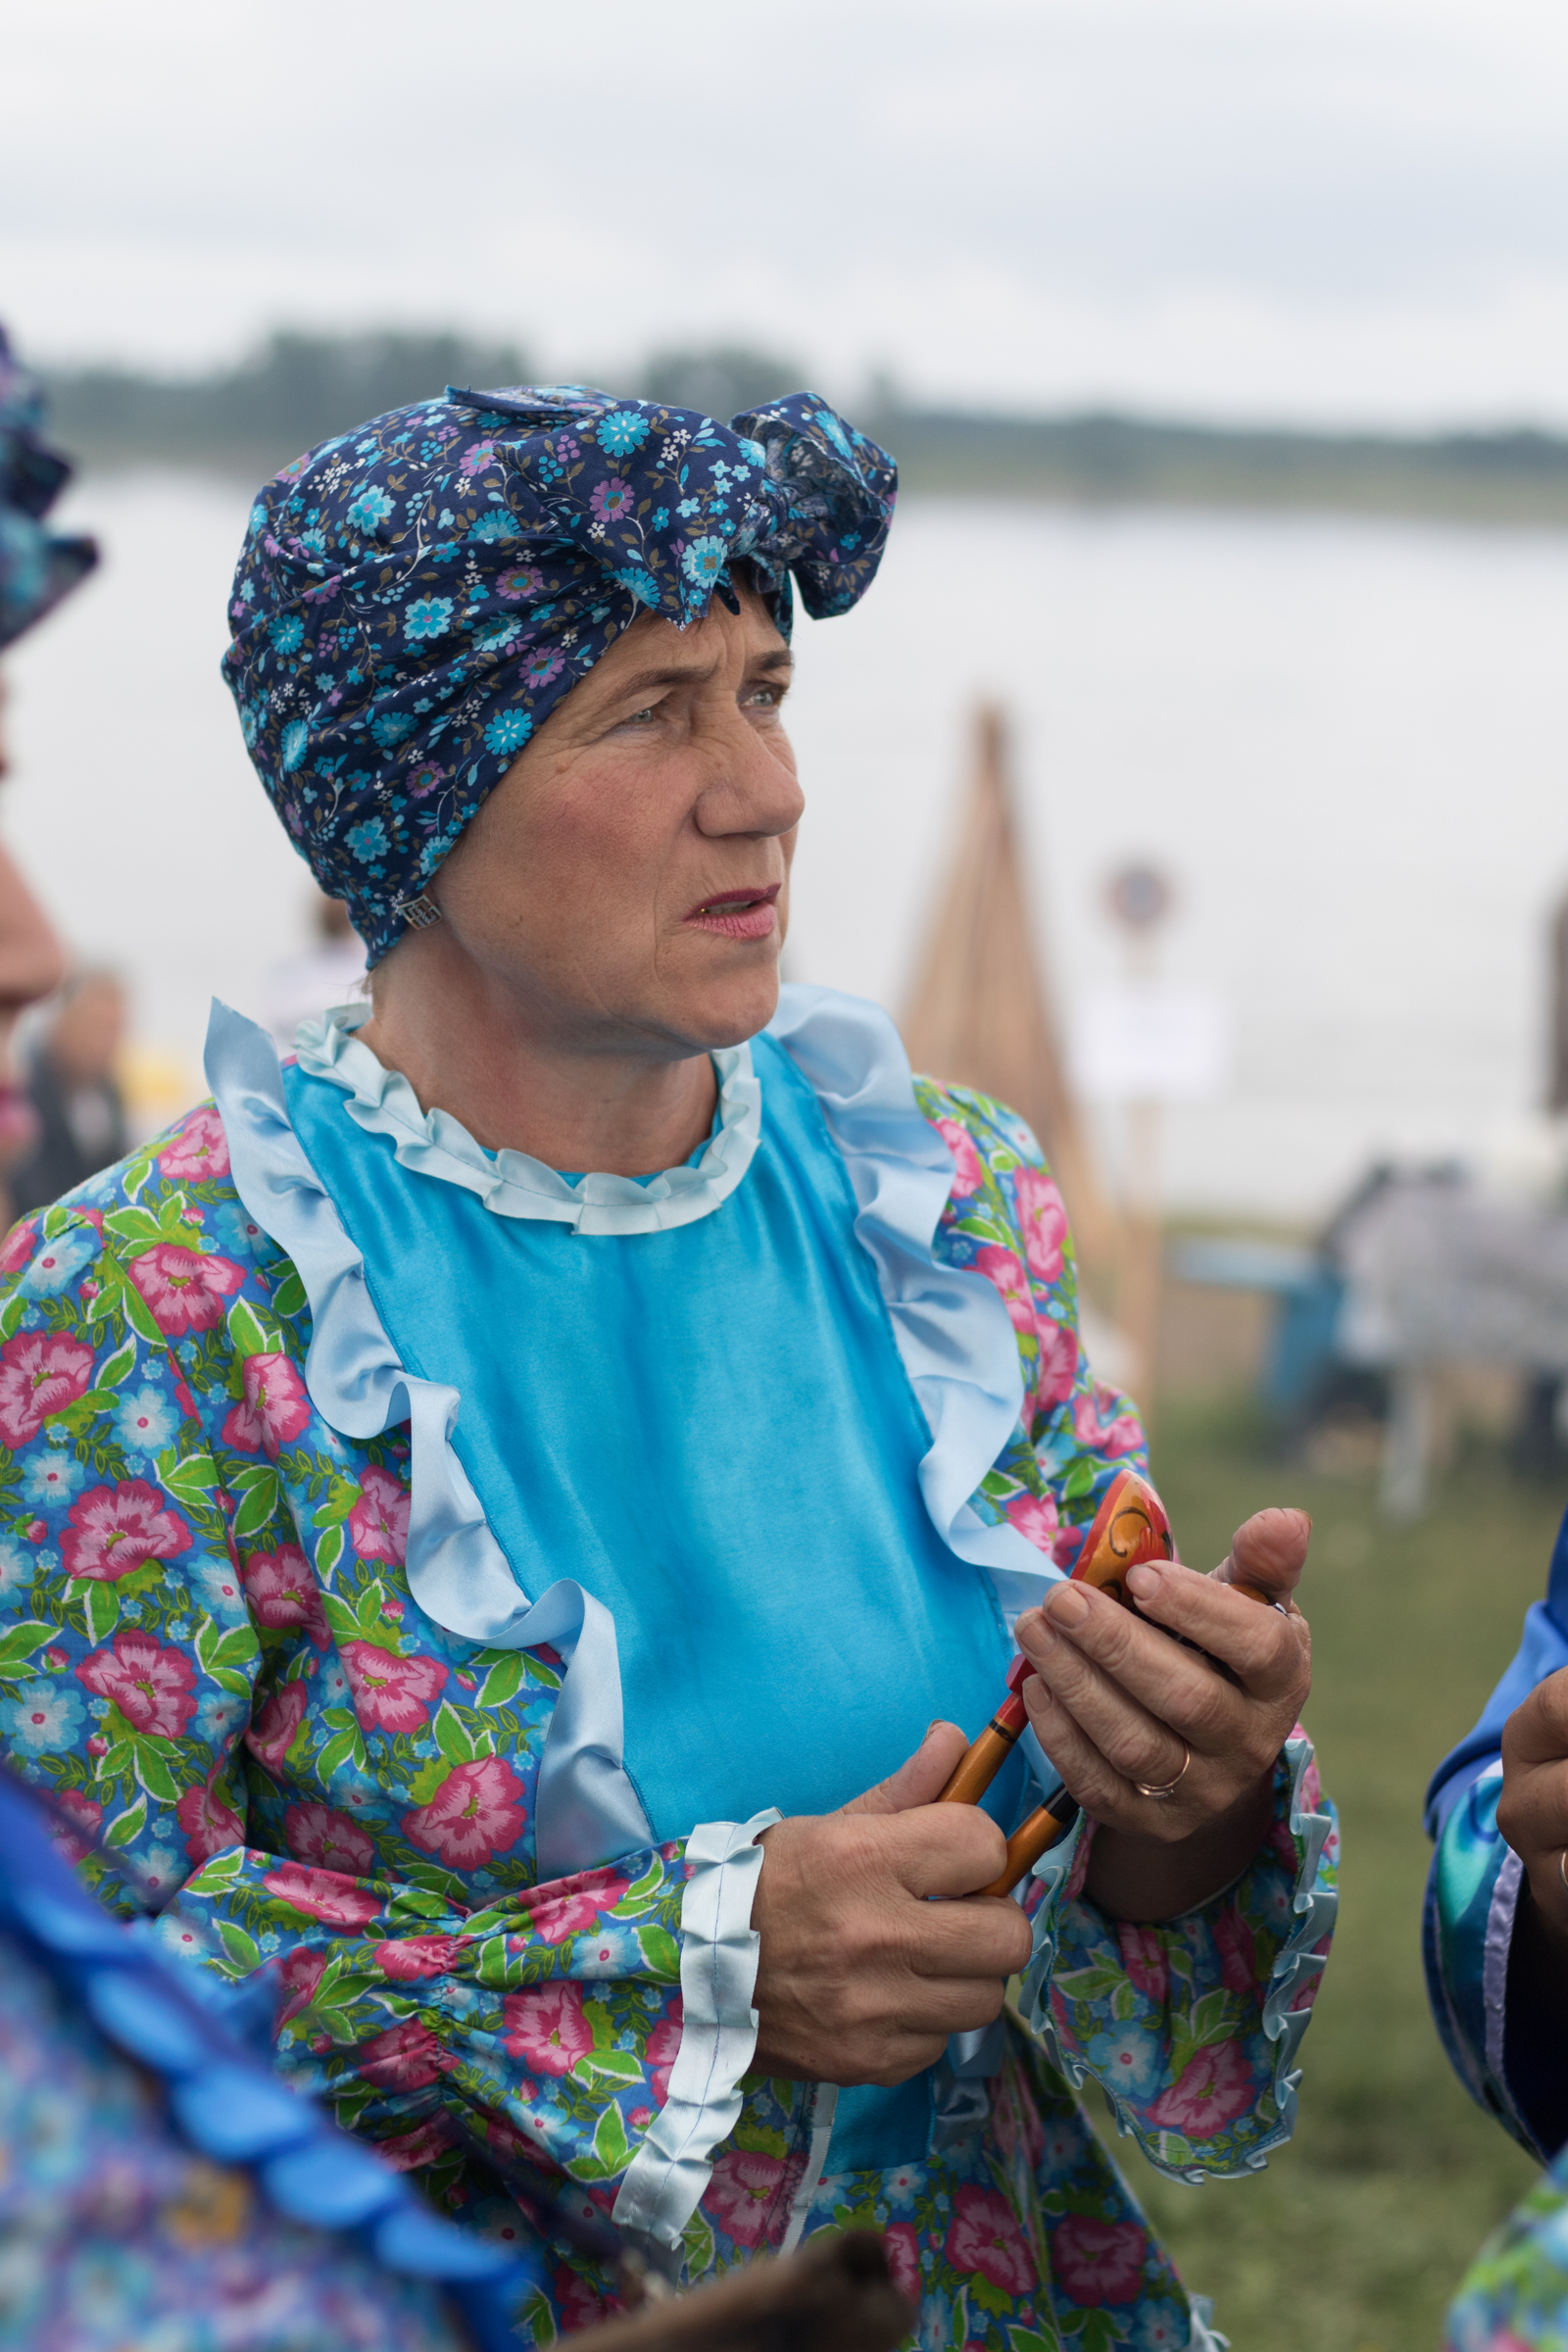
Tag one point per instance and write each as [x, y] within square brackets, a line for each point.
[1345, 741]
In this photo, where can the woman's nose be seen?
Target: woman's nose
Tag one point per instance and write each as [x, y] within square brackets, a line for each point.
[755, 789]
[32, 961]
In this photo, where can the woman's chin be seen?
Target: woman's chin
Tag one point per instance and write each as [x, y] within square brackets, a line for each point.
[727, 1012]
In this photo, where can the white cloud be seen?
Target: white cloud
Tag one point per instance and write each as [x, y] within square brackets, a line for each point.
[1287, 207]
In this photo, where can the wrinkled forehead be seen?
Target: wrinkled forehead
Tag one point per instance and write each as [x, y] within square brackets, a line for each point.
[652, 652]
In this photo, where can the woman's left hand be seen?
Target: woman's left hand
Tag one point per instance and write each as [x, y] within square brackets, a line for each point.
[1115, 1703]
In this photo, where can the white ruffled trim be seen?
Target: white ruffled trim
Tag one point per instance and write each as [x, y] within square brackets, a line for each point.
[951, 1330]
[1282, 2023]
[720, 1949]
[586, 1811]
[513, 1184]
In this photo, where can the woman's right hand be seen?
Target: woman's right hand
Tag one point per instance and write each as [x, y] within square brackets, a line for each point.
[862, 1976]
[1533, 1809]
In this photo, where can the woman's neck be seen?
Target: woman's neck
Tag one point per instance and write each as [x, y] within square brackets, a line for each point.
[575, 1103]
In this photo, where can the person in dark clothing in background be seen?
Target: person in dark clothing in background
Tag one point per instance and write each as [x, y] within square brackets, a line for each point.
[71, 1084]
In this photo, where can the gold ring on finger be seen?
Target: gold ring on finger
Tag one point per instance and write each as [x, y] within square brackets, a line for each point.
[1562, 1873]
[1159, 1794]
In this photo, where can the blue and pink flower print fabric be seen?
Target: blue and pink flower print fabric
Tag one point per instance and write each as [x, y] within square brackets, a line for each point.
[414, 598]
[212, 1658]
[38, 566]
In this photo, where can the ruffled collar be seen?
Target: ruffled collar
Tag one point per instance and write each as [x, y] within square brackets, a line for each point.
[513, 1184]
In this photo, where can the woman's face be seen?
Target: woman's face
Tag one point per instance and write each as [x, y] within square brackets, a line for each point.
[627, 880]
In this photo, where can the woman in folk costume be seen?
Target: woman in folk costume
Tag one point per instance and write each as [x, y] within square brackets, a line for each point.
[500, 1482]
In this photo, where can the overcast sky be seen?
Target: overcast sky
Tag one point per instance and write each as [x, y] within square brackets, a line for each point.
[1333, 210]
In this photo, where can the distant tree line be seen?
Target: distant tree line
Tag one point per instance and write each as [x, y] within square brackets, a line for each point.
[299, 388]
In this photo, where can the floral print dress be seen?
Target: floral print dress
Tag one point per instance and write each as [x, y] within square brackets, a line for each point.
[217, 1667]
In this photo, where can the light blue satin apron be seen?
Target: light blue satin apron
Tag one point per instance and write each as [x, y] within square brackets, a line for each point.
[710, 1429]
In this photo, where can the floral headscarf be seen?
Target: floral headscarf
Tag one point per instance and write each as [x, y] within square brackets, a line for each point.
[413, 598]
[36, 569]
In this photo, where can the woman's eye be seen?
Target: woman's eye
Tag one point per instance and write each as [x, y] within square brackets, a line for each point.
[635, 717]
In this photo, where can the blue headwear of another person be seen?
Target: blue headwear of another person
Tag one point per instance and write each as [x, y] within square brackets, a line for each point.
[36, 569]
[414, 598]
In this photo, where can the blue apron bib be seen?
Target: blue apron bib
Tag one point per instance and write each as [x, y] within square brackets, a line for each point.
[712, 1430]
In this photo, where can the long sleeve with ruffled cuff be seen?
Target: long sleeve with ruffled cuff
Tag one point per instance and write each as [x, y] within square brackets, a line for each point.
[1192, 2027]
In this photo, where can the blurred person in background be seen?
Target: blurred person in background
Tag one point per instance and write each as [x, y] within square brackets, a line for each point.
[328, 972]
[157, 2184]
[74, 1091]
[1497, 1954]
[527, 1493]
[38, 568]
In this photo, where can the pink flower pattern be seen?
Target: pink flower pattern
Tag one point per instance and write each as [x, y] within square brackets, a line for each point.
[1004, 1269]
[663, 2049]
[198, 1150]
[322, 1895]
[968, 1172]
[392, 1694]
[209, 1823]
[1059, 1364]
[152, 1684]
[183, 1289]
[112, 1530]
[410, 2151]
[72, 1822]
[1044, 1221]
[39, 1376]
[474, 1815]
[281, 1589]
[315, 1833]
[1098, 2262]
[987, 2236]
[1033, 1516]
[1211, 2090]
[1101, 1421]
[299, 1975]
[903, 2259]
[379, 1524]
[276, 1725]
[406, 1959]
[1143, 1957]
[546, 2028]
[276, 1408]
[742, 2193]
[1236, 1944]
[18, 1246]
[405, 2057]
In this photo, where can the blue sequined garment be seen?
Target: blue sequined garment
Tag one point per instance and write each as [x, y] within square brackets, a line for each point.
[159, 2185]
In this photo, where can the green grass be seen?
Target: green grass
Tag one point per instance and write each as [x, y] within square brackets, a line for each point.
[1358, 2234]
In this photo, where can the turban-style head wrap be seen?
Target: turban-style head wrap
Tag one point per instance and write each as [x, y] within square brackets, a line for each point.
[414, 598]
[36, 569]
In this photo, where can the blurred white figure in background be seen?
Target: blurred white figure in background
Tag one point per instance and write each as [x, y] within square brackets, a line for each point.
[323, 974]
[74, 1084]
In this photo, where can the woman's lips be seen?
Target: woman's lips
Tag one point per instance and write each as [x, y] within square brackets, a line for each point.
[737, 914]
